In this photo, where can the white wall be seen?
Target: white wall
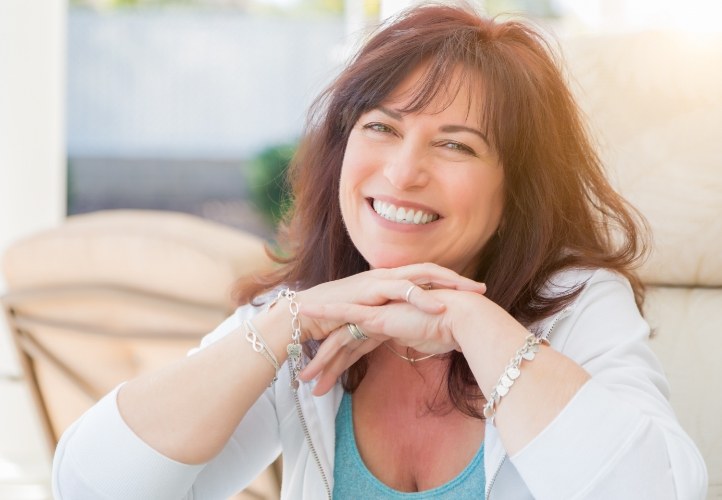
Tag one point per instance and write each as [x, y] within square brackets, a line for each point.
[32, 150]
[32, 197]
[32, 144]
[192, 83]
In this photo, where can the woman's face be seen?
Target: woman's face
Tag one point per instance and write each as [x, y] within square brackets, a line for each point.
[421, 187]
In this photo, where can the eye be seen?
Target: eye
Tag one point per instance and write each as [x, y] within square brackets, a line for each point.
[458, 147]
[379, 127]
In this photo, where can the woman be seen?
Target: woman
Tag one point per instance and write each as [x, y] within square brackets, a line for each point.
[447, 203]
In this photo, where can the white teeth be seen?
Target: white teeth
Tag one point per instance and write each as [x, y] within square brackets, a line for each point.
[402, 214]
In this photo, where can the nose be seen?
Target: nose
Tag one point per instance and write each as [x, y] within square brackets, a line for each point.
[406, 167]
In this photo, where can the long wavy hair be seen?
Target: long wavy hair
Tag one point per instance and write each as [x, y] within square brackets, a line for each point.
[560, 211]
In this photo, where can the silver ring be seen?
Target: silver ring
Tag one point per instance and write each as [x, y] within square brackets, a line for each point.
[408, 292]
[356, 332]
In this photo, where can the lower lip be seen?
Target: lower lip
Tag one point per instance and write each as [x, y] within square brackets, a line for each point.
[399, 226]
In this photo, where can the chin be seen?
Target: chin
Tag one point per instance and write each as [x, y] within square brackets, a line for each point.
[391, 259]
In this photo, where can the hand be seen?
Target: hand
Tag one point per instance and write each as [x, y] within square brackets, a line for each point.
[378, 287]
[429, 333]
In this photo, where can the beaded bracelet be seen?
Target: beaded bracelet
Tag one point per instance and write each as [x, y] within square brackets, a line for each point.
[294, 348]
[511, 373]
[259, 345]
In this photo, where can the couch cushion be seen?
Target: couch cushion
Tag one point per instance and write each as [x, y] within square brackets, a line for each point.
[686, 326]
[655, 104]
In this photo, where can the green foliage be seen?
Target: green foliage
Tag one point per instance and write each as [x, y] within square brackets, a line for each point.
[266, 176]
[534, 8]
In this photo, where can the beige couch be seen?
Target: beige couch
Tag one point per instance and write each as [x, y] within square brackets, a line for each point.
[111, 295]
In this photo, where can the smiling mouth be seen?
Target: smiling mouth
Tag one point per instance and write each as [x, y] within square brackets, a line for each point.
[402, 215]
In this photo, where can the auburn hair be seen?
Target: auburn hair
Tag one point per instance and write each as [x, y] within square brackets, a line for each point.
[560, 211]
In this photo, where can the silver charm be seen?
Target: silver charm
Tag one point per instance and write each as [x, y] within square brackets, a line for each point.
[294, 351]
[488, 411]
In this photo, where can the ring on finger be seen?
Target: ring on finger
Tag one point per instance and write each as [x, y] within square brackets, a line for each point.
[356, 332]
[408, 292]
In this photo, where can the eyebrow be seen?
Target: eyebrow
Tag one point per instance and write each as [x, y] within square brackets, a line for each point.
[445, 128]
[393, 114]
[461, 128]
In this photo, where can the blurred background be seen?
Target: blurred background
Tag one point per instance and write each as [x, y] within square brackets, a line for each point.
[192, 106]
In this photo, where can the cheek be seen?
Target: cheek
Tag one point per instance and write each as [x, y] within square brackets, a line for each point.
[358, 159]
[494, 205]
[350, 179]
[482, 199]
[357, 167]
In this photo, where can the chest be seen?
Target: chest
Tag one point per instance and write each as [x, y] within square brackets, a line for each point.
[411, 443]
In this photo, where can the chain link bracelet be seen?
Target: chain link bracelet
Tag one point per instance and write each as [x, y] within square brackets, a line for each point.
[511, 373]
[294, 349]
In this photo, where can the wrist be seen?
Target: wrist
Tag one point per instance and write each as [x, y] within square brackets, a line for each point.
[466, 318]
[487, 336]
[294, 349]
[307, 324]
[275, 325]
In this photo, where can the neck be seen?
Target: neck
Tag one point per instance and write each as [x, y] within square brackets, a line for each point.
[421, 385]
[408, 355]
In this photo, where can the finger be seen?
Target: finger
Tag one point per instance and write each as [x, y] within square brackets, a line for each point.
[474, 286]
[327, 379]
[412, 293]
[338, 341]
[439, 276]
[385, 290]
[348, 313]
[324, 355]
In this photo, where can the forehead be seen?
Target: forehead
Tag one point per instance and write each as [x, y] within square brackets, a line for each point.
[458, 94]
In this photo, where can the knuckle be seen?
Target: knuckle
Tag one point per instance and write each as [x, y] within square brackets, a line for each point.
[378, 323]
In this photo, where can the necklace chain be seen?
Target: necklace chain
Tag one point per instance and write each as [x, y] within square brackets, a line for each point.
[406, 358]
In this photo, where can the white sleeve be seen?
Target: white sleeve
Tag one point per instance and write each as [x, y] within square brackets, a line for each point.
[618, 437]
[100, 457]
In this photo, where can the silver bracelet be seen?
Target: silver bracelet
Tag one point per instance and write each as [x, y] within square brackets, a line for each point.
[511, 373]
[294, 349]
[259, 345]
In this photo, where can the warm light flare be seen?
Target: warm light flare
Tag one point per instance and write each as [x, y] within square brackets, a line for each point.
[691, 16]
[694, 16]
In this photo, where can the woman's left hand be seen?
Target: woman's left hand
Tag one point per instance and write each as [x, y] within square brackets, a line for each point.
[400, 321]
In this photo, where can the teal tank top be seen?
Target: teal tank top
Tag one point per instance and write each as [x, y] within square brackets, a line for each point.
[352, 480]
